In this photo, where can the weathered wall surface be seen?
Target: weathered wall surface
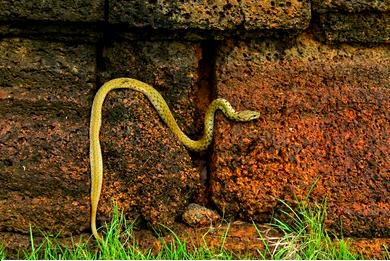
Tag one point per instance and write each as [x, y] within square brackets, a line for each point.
[318, 71]
[353, 21]
[324, 123]
[45, 87]
[211, 15]
[37, 10]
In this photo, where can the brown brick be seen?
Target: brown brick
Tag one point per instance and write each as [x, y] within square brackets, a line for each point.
[170, 67]
[70, 11]
[45, 167]
[350, 6]
[359, 27]
[44, 171]
[276, 14]
[44, 72]
[211, 15]
[371, 248]
[46, 92]
[324, 123]
[148, 172]
[51, 31]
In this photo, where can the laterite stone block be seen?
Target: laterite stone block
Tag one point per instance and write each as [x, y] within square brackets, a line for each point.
[46, 92]
[57, 10]
[173, 68]
[341, 27]
[212, 15]
[366, 21]
[322, 6]
[323, 133]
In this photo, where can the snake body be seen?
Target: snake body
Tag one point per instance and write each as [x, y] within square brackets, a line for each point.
[163, 110]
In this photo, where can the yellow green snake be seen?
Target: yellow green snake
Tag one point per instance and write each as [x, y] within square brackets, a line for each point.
[162, 108]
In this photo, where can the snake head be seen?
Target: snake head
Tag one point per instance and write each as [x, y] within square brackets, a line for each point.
[248, 115]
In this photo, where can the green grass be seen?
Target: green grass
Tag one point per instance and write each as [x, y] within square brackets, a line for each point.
[303, 237]
[387, 253]
[2, 253]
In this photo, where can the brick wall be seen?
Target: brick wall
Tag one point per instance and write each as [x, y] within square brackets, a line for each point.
[319, 73]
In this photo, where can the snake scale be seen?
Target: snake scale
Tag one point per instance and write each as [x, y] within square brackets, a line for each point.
[162, 108]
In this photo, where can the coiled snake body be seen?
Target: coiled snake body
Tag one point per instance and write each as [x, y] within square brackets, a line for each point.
[162, 108]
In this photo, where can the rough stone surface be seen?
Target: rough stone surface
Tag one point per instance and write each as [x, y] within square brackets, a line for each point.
[46, 91]
[173, 68]
[72, 32]
[325, 111]
[363, 21]
[70, 11]
[374, 248]
[339, 27]
[42, 73]
[276, 14]
[149, 174]
[197, 215]
[44, 172]
[155, 153]
[324, 123]
[350, 6]
[212, 15]
[44, 87]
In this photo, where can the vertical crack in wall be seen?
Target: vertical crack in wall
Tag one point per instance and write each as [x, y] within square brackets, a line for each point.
[207, 69]
[206, 93]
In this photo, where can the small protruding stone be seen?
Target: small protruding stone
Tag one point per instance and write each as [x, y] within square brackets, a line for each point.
[197, 215]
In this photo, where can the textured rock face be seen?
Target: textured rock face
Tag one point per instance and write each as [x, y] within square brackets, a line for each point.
[148, 173]
[143, 154]
[278, 14]
[212, 15]
[46, 73]
[44, 172]
[58, 10]
[199, 216]
[351, 6]
[374, 28]
[170, 67]
[43, 135]
[353, 21]
[46, 94]
[324, 131]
